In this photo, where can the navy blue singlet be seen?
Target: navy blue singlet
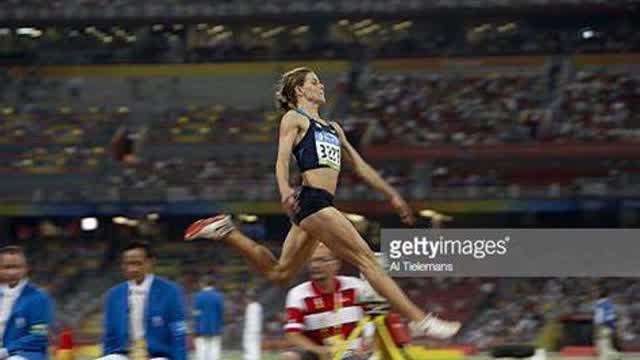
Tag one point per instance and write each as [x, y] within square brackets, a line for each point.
[319, 147]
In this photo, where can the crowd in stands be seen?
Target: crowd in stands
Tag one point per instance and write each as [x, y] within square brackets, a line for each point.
[601, 107]
[513, 316]
[450, 298]
[520, 308]
[439, 109]
[402, 37]
[200, 124]
[445, 109]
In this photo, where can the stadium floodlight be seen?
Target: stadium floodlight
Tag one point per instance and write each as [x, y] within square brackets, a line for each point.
[428, 213]
[362, 24]
[33, 32]
[89, 224]
[587, 34]
[153, 216]
[248, 218]
[402, 25]
[120, 220]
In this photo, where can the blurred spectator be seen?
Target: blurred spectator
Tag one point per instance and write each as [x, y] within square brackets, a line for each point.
[208, 320]
[253, 324]
[26, 312]
[154, 326]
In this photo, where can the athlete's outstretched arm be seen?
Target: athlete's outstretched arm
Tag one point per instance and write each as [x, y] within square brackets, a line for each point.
[373, 179]
[289, 126]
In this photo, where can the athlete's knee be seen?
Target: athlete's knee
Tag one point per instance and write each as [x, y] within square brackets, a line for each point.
[282, 277]
[262, 259]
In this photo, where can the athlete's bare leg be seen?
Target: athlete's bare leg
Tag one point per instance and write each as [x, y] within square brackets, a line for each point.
[297, 249]
[259, 256]
[330, 227]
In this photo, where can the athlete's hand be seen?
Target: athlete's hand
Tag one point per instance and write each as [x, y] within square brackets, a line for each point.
[438, 219]
[402, 208]
[290, 202]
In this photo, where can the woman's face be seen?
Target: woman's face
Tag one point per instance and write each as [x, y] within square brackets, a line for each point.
[312, 89]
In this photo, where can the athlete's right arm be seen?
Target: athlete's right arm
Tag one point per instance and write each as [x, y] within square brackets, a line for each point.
[289, 127]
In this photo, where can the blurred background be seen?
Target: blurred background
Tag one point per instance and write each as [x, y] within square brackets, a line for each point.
[123, 120]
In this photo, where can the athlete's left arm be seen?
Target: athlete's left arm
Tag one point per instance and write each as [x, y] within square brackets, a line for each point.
[373, 179]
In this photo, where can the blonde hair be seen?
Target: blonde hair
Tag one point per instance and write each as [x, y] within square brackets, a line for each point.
[285, 96]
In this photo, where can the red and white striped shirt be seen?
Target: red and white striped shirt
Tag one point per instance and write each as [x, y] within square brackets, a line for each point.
[319, 316]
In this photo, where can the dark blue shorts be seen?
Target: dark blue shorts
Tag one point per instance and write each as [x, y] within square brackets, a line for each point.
[311, 200]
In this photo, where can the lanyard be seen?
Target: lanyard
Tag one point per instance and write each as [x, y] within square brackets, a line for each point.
[337, 305]
[337, 329]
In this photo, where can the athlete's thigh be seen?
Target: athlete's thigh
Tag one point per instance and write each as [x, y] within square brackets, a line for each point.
[330, 227]
[297, 248]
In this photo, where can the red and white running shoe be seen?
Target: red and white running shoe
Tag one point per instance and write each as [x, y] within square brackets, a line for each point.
[214, 228]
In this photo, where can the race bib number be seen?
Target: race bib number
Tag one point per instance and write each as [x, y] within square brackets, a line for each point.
[328, 149]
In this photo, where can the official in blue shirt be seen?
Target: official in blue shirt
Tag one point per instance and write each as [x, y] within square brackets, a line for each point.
[26, 312]
[208, 321]
[144, 316]
[604, 324]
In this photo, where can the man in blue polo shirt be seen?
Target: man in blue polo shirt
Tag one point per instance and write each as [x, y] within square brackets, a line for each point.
[26, 312]
[144, 316]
